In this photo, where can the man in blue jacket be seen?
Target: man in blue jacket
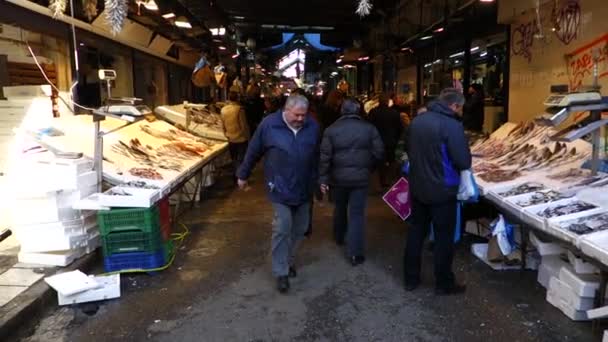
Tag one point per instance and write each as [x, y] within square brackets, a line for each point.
[289, 142]
[438, 151]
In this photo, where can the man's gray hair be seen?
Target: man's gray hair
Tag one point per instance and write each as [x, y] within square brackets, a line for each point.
[350, 107]
[296, 100]
[452, 96]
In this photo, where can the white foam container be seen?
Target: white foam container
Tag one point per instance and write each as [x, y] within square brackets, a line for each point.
[109, 289]
[60, 258]
[73, 227]
[567, 297]
[480, 250]
[546, 248]
[581, 266]
[140, 198]
[54, 207]
[532, 217]
[49, 243]
[595, 246]
[549, 268]
[583, 285]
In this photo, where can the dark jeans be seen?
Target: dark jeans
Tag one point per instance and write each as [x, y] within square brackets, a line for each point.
[237, 153]
[349, 218]
[443, 218]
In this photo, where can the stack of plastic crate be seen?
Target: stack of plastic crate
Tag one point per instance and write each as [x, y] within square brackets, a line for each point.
[134, 239]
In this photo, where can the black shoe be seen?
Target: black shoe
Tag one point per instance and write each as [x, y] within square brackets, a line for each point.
[357, 260]
[409, 287]
[449, 291]
[292, 272]
[283, 284]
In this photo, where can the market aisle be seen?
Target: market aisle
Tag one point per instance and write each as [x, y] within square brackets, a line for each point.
[220, 289]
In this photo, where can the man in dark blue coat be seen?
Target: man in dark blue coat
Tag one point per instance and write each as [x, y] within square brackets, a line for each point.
[289, 142]
[438, 152]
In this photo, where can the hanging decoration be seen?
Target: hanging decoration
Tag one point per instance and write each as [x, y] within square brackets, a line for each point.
[89, 7]
[116, 12]
[58, 7]
[364, 8]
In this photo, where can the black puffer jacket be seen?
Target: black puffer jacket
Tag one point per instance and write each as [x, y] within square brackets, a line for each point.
[350, 150]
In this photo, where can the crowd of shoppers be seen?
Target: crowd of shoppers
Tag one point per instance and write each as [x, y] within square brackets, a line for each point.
[333, 147]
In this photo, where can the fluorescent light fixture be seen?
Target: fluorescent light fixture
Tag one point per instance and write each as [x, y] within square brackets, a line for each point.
[483, 54]
[221, 47]
[486, 0]
[339, 60]
[81, 44]
[182, 22]
[437, 30]
[341, 56]
[335, 73]
[428, 65]
[366, 58]
[238, 17]
[461, 53]
[168, 15]
[218, 31]
[473, 49]
[235, 56]
[457, 61]
[437, 61]
[151, 5]
[426, 37]
[340, 67]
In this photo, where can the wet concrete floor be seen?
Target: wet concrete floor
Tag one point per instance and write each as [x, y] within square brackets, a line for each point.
[220, 289]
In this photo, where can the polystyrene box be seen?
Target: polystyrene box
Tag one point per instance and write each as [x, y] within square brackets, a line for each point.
[554, 299]
[54, 207]
[605, 339]
[72, 227]
[109, 289]
[580, 265]
[583, 285]
[568, 297]
[45, 243]
[596, 246]
[60, 258]
[549, 268]
[546, 248]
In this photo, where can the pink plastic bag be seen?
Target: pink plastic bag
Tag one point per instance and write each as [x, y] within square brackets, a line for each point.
[398, 198]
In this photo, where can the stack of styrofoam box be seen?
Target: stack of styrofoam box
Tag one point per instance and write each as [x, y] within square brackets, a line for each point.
[48, 229]
[573, 293]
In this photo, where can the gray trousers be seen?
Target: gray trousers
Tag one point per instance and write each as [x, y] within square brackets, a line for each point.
[289, 225]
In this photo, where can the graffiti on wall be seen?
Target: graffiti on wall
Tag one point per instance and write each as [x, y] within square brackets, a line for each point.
[522, 39]
[580, 62]
[564, 23]
[567, 21]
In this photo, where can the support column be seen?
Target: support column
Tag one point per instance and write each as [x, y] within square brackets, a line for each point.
[466, 82]
[3, 74]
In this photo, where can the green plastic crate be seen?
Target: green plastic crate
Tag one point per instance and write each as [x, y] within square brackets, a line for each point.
[146, 220]
[132, 241]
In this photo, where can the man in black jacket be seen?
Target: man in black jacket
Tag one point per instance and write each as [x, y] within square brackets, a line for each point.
[388, 122]
[351, 148]
[438, 151]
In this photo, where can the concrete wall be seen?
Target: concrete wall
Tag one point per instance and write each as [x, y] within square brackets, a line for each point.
[559, 57]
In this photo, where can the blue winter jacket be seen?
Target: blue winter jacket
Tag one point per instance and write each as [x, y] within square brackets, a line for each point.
[290, 160]
[438, 151]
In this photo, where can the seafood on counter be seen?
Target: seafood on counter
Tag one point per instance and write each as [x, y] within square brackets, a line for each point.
[541, 198]
[146, 173]
[566, 209]
[139, 185]
[205, 117]
[146, 155]
[499, 176]
[482, 167]
[587, 225]
[117, 192]
[177, 135]
[525, 188]
[569, 174]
